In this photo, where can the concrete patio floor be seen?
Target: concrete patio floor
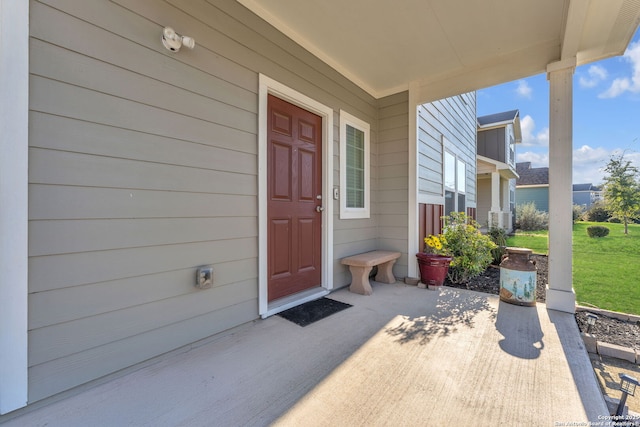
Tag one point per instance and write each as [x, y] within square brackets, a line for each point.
[402, 356]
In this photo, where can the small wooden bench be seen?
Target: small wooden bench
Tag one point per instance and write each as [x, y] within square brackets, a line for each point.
[360, 266]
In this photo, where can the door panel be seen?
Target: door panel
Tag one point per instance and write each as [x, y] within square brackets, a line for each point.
[280, 246]
[282, 174]
[306, 181]
[306, 237]
[294, 172]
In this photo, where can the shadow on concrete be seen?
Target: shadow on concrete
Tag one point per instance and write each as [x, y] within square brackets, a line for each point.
[520, 327]
[453, 310]
[577, 358]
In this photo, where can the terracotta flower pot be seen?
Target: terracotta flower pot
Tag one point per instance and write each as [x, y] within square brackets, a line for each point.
[433, 268]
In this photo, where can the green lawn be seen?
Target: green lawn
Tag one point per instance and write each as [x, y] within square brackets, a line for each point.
[606, 271]
[534, 240]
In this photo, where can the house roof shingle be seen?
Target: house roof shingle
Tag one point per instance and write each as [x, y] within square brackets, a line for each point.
[585, 187]
[531, 176]
[522, 166]
[506, 116]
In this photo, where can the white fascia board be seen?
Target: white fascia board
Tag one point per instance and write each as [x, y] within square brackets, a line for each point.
[533, 186]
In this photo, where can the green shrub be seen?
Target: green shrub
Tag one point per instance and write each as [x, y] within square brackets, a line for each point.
[614, 220]
[528, 218]
[578, 212]
[499, 237]
[596, 213]
[471, 250]
[597, 231]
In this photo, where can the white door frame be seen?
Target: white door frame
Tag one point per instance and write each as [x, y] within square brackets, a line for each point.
[269, 86]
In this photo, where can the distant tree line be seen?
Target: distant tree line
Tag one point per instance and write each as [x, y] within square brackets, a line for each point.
[621, 203]
[621, 194]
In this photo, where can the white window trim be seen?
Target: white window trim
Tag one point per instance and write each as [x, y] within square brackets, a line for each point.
[444, 172]
[346, 212]
[464, 177]
[455, 189]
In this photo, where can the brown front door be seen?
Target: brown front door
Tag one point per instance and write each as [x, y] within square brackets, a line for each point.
[294, 173]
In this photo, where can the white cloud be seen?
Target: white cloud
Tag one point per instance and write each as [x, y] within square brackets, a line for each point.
[588, 162]
[538, 160]
[627, 84]
[618, 87]
[596, 74]
[530, 137]
[523, 89]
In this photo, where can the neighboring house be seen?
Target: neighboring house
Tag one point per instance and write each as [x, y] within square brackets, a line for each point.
[498, 135]
[446, 160]
[532, 185]
[293, 135]
[586, 194]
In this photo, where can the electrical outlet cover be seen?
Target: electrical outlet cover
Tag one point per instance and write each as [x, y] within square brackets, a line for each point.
[204, 277]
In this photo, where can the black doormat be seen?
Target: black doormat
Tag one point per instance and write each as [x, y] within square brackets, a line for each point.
[312, 311]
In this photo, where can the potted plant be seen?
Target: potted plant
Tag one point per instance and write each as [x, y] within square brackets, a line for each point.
[434, 261]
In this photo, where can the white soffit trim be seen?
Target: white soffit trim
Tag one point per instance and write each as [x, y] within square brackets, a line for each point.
[14, 146]
[574, 26]
[496, 125]
[498, 164]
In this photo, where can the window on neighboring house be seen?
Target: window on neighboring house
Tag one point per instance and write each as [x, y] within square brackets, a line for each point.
[462, 186]
[512, 150]
[354, 167]
[455, 184]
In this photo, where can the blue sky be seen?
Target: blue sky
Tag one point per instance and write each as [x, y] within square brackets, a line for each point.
[606, 113]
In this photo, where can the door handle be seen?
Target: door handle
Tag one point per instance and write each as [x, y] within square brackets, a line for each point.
[319, 208]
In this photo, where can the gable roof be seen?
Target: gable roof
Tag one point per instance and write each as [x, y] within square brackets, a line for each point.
[585, 187]
[531, 176]
[498, 118]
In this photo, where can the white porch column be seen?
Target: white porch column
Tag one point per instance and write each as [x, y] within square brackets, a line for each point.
[494, 212]
[560, 294]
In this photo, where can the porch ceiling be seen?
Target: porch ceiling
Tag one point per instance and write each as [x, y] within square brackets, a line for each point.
[449, 47]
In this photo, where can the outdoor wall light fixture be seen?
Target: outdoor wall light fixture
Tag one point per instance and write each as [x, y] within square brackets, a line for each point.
[628, 386]
[591, 321]
[174, 41]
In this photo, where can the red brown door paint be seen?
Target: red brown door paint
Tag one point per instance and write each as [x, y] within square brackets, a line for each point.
[294, 173]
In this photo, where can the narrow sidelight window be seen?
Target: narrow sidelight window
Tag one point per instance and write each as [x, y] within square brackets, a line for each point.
[354, 167]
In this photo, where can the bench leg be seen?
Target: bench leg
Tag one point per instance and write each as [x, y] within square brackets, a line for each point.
[385, 272]
[360, 280]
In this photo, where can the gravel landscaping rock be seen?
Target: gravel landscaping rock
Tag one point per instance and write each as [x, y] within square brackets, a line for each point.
[607, 329]
[489, 281]
[612, 331]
